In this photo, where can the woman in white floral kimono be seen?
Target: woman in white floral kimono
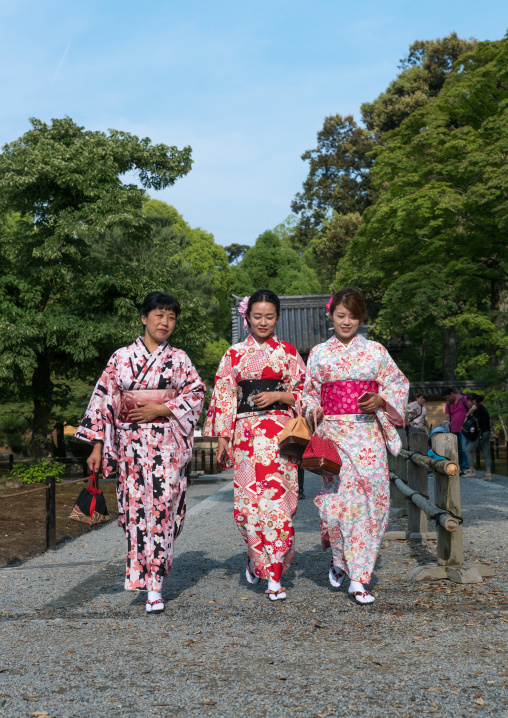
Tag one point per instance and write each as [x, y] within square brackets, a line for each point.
[356, 393]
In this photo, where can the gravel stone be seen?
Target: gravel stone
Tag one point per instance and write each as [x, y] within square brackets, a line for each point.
[74, 643]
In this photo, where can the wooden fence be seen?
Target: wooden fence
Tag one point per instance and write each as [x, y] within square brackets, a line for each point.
[409, 496]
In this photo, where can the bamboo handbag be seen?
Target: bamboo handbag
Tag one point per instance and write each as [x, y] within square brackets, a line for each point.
[294, 438]
[321, 456]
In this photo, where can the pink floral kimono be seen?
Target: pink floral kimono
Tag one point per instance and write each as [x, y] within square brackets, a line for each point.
[354, 506]
[151, 457]
[266, 484]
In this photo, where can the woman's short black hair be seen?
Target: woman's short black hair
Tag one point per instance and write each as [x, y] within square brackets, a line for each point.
[159, 300]
[263, 295]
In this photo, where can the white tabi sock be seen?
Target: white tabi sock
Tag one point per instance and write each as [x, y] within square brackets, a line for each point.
[154, 596]
[355, 586]
[274, 585]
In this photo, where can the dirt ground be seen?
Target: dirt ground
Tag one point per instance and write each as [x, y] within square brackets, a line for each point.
[23, 518]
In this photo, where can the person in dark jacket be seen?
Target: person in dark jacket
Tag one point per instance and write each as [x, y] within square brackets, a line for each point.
[482, 440]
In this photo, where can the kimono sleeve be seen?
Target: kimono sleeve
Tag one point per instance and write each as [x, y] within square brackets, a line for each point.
[296, 377]
[99, 418]
[393, 388]
[311, 397]
[187, 406]
[221, 416]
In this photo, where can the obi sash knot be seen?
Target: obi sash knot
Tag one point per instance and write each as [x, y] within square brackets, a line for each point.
[341, 397]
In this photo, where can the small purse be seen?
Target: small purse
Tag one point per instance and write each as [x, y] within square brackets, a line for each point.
[321, 456]
[294, 438]
[90, 507]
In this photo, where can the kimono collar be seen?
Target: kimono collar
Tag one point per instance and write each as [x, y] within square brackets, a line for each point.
[337, 344]
[140, 344]
[272, 343]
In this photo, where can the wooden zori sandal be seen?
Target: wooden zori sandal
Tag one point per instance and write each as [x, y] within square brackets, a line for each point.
[278, 595]
[357, 597]
[150, 606]
[250, 576]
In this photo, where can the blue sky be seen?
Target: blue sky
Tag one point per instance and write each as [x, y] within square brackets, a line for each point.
[247, 85]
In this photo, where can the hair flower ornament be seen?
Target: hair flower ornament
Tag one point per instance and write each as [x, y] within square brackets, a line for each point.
[242, 309]
[329, 304]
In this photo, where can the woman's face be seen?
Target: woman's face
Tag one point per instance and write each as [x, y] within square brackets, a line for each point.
[159, 324]
[263, 318]
[345, 324]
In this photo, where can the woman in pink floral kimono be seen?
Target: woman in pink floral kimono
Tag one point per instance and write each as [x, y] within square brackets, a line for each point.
[257, 381]
[356, 393]
[142, 416]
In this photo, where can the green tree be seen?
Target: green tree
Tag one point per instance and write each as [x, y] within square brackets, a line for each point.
[273, 266]
[235, 252]
[423, 73]
[61, 195]
[338, 179]
[434, 243]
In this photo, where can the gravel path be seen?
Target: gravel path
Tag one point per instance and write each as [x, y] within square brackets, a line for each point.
[73, 643]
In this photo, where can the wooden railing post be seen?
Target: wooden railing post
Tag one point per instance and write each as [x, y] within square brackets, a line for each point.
[450, 544]
[50, 513]
[450, 547]
[396, 464]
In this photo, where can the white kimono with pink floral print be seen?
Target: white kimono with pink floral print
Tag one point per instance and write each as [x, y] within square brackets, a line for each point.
[354, 506]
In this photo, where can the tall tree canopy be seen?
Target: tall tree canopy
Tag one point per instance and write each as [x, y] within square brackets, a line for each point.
[434, 243]
[68, 284]
[271, 265]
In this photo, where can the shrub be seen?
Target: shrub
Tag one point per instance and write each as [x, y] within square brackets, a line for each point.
[35, 472]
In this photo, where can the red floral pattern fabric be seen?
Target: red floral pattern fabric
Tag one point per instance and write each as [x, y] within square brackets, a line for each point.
[151, 458]
[265, 483]
[353, 507]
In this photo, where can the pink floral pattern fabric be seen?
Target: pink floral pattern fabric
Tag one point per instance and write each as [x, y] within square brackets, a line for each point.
[341, 397]
[353, 507]
[265, 483]
[150, 458]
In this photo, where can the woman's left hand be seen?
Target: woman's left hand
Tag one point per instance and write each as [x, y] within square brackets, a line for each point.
[265, 398]
[372, 403]
[147, 411]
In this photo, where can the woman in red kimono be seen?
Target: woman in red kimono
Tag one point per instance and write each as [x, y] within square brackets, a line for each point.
[257, 382]
[142, 416]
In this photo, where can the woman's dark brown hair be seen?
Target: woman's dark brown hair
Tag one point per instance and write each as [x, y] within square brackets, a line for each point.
[353, 300]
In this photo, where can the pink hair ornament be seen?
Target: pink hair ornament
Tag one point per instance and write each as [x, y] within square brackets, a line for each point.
[242, 310]
[329, 304]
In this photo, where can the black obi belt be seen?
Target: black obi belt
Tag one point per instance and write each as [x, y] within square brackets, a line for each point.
[247, 390]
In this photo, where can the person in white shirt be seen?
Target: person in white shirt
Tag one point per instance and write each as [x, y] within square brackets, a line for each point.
[416, 413]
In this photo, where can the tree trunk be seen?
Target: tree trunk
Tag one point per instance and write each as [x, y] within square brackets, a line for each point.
[449, 335]
[60, 439]
[42, 393]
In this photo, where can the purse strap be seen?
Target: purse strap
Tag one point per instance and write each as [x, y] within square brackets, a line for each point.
[93, 489]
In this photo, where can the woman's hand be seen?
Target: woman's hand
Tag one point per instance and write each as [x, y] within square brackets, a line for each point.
[95, 458]
[223, 447]
[265, 398]
[370, 405]
[147, 411]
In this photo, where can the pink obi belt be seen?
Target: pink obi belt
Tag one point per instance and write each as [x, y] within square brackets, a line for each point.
[341, 397]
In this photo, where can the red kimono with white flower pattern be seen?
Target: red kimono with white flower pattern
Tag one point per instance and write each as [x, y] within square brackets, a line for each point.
[151, 457]
[266, 484]
[354, 506]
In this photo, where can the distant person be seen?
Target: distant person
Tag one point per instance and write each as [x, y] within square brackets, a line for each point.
[482, 440]
[142, 415]
[457, 407]
[416, 415]
[257, 387]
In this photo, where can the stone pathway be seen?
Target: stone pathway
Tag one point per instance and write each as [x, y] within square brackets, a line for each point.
[73, 643]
